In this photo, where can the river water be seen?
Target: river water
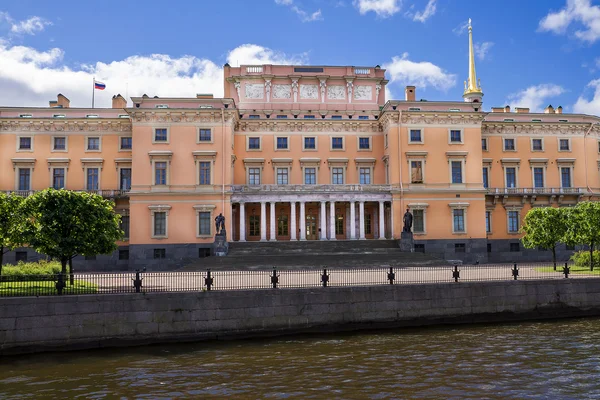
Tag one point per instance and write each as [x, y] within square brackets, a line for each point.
[537, 360]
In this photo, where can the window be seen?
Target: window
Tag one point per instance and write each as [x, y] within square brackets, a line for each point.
[363, 117]
[456, 171]
[20, 256]
[458, 220]
[337, 143]
[486, 177]
[536, 120]
[24, 143]
[565, 177]
[414, 108]
[254, 143]
[511, 177]
[90, 258]
[336, 117]
[564, 145]
[415, 136]
[254, 176]
[24, 179]
[455, 136]
[125, 226]
[25, 116]
[418, 221]
[488, 222]
[514, 247]
[310, 176]
[538, 177]
[364, 175]
[364, 143]
[281, 117]
[337, 176]
[513, 222]
[509, 144]
[125, 143]
[310, 143]
[161, 135]
[489, 247]
[254, 221]
[58, 178]
[125, 179]
[204, 135]
[160, 173]
[204, 173]
[123, 254]
[282, 225]
[254, 116]
[160, 223]
[282, 143]
[509, 120]
[484, 144]
[59, 143]
[419, 248]
[93, 144]
[416, 172]
[204, 223]
[282, 176]
[160, 253]
[309, 117]
[459, 247]
[368, 224]
[537, 145]
[92, 179]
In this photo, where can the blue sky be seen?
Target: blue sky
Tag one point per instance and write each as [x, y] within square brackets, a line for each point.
[530, 53]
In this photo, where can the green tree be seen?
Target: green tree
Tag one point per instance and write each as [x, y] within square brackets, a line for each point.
[545, 227]
[583, 226]
[9, 221]
[63, 224]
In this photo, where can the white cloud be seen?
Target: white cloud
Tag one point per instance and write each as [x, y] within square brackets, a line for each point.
[581, 11]
[429, 11]
[29, 77]
[303, 15]
[535, 97]
[461, 28]
[30, 26]
[383, 8]
[585, 106]
[422, 74]
[482, 49]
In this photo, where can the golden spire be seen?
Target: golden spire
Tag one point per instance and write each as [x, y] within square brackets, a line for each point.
[472, 86]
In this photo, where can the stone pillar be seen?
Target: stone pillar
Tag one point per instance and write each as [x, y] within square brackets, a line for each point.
[302, 221]
[323, 224]
[332, 220]
[352, 220]
[263, 221]
[293, 229]
[272, 222]
[381, 221]
[361, 220]
[242, 222]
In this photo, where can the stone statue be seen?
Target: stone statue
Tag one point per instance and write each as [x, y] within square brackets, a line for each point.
[408, 220]
[220, 223]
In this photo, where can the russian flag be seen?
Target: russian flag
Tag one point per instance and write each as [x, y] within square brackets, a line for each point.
[99, 85]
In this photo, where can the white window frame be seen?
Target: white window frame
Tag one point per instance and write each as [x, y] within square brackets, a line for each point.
[486, 167]
[508, 211]
[52, 143]
[338, 163]
[331, 143]
[154, 141]
[260, 177]
[316, 142]
[462, 160]
[316, 168]
[212, 136]
[210, 208]
[122, 165]
[254, 163]
[57, 163]
[516, 167]
[423, 162]
[462, 135]
[490, 212]
[205, 156]
[422, 141]
[531, 144]
[487, 144]
[160, 156]
[533, 167]
[87, 143]
[568, 141]
[159, 208]
[560, 176]
[344, 181]
[122, 149]
[260, 142]
[504, 139]
[365, 163]
[283, 137]
[19, 150]
[17, 169]
[420, 206]
[85, 175]
[287, 168]
[370, 138]
[459, 206]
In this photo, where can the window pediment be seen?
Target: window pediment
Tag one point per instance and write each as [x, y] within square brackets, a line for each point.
[23, 162]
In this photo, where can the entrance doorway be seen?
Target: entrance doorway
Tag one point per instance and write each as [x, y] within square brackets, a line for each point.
[311, 227]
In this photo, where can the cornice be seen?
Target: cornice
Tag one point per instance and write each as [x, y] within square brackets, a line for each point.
[183, 116]
[307, 126]
[533, 128]
[38, 125]
[442, 118]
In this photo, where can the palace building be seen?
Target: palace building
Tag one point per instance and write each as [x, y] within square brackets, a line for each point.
[294, 153]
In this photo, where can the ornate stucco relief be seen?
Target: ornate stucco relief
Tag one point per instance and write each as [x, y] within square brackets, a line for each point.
[282, 91]
[310, 92]
[363, 93]
[254, 90]
[336, 92]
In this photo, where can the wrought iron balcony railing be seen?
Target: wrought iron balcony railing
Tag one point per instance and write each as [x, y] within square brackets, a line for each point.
[309, 188]
[107, 193]
[536, 191]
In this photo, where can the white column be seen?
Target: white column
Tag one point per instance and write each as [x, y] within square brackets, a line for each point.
[352, 220]
[332, 220]
[361, 219]
[302, 222]
[242, 222]
[263, 221]
[381, 221]
[323, 221]
[272, 222]
[293, 220]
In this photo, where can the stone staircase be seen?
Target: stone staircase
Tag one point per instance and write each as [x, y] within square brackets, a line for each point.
[313, 255]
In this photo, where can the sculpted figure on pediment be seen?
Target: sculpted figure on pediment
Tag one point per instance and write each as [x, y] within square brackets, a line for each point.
[282, 91]
[336, 92]
[310, 92]
[363, 92]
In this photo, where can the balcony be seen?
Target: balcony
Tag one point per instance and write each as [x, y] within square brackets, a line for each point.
[106, 193]
[535, 191]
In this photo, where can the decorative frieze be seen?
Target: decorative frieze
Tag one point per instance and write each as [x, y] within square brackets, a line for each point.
[363, 93]
[491, 128]
[305, 126]
[254, 90]
[65, 126]
[336, 92]
[442, 119]
[282, 91]
[309, 92]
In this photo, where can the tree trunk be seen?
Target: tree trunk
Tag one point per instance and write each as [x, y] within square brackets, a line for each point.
[1, 258]
[592, 257]
[554, 256]
[63, 263]
[71, 277]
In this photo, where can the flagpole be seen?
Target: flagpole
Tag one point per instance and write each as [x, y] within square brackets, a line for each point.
[93, 90]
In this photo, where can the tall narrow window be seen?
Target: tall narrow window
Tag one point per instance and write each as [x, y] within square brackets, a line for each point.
[339, 223]
[456, 171]
[24, 179]
[484, 144]
[486, 182]
[160, 224]
[337, 176]
[160, 173]
[513, 221]
[254, 222]
[565, 177]
[204, 173]
[204, 223]
[92, 179]
[254, 176]
[365, 175]
[282, 176]
[418, 221]
[368, 224]
[58, 178]
[125, 179]
[416, 172]
[459, 220]
[310, 176]
[488, 222]
[538, 177]
[125, 226]
[282, 225]
[511, 177]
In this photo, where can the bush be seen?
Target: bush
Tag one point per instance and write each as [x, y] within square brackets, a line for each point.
[582, 258]
[23, 271]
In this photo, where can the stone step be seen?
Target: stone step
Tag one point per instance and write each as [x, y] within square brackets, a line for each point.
[313, 246]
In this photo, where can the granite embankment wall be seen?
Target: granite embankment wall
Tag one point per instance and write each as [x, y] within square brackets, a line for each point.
[31, 324]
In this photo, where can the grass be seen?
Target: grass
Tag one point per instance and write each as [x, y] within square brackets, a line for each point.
[44, 288]
[573, 270]
[31, 268]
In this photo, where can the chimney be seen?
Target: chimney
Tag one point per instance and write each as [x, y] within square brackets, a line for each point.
[522, 110]
[549, 110]
[411, 93]
[60, 102]
[119, 101]
[559, 110]
[204, 95]
[497, 109]
[507, 109]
